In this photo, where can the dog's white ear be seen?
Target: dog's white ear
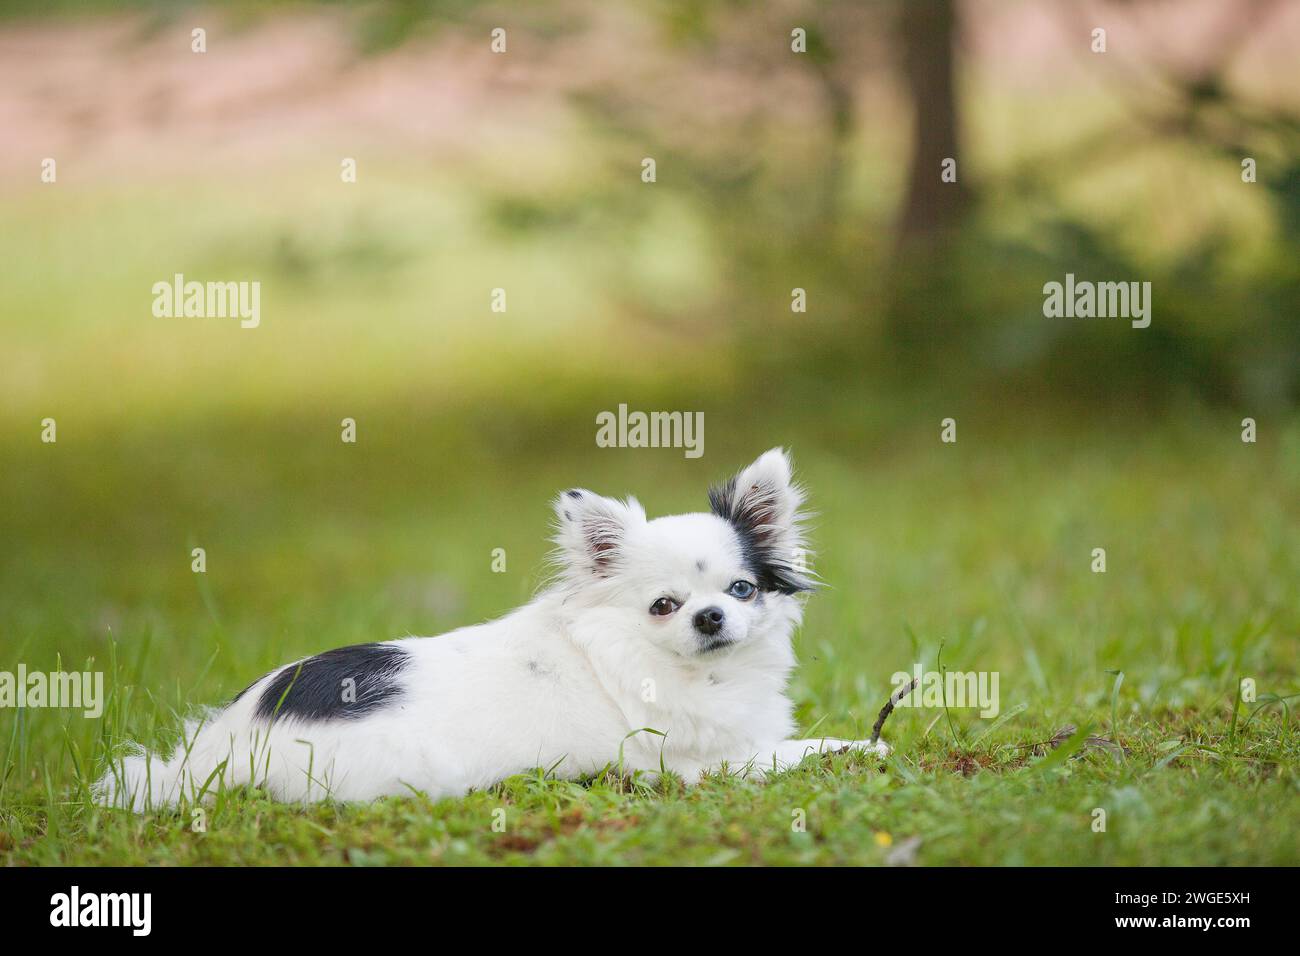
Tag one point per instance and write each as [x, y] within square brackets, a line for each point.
[762, 503]
[591, 530]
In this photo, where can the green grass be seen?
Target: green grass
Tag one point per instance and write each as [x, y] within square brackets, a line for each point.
[982, 547]
[197, 434]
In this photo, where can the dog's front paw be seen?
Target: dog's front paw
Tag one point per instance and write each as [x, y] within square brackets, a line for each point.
[845, 746]
[880, 748]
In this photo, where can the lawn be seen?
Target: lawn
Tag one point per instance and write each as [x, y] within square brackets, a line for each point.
[976, 555]
[982, 549]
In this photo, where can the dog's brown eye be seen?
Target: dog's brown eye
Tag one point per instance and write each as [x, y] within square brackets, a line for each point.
[663, 607]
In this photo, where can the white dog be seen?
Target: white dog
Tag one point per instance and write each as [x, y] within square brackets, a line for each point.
[681, 625]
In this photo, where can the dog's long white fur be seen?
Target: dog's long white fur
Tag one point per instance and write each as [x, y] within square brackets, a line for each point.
[569, 682]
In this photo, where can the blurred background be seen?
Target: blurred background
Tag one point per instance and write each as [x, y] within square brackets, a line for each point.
[775, 170]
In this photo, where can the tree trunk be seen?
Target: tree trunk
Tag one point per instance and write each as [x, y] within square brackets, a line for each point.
[924, 314]
[928, 34]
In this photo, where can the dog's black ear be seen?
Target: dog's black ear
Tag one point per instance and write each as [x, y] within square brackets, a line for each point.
[762, 503]
[591, 530]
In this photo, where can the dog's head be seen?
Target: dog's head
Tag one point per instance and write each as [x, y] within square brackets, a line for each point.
[694, 584]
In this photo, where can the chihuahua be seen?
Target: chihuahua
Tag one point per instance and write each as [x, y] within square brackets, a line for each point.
[663, 644]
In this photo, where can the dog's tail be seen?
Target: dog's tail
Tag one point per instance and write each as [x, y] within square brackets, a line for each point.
[141, 781]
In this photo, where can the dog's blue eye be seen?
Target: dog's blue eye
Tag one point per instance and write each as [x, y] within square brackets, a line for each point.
[741, 590]
[663, 607]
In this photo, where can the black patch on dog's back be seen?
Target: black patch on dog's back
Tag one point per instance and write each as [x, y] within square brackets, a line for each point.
[315, 689]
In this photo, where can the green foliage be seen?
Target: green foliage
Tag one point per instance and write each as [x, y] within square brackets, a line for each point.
[982, 546]
[175, 434]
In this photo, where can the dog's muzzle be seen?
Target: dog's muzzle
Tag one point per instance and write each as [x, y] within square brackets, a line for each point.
[709, 621]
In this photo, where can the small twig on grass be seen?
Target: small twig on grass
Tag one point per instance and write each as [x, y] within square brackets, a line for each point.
[889, 708]
[1118, 751]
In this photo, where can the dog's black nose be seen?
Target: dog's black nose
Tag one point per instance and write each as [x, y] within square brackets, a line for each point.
[709, 621]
